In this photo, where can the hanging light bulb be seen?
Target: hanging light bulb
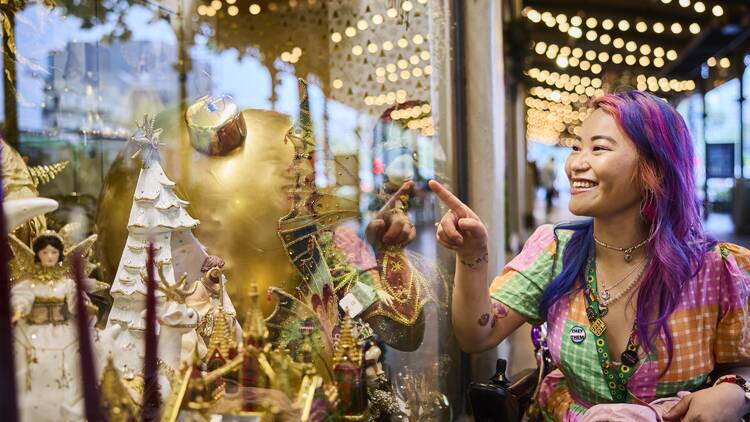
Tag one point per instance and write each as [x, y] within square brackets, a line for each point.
[575, 32]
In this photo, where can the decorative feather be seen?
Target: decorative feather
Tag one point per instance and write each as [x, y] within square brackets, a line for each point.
[150, 376]
[90, 389]
[8, 405]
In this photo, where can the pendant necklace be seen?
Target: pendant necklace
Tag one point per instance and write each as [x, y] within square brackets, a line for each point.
[605, 291]
[628, 252]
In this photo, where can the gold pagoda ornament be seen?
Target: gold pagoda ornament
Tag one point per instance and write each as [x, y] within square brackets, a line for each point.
[222, 347]
[254, 330]
[117, 402]
[347, 348]
[254, 370]
[221, 344]
[349, 373]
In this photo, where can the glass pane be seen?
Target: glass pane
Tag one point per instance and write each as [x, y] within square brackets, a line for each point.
[276, 132]
[723, 113]
[691, 109]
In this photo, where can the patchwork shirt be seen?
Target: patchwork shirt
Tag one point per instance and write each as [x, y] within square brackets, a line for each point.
[711, 325]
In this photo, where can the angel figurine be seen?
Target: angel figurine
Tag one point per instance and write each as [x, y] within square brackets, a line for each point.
[45, 335]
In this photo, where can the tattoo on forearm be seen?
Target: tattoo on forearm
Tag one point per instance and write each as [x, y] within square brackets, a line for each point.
[476, 262]
[498, 311]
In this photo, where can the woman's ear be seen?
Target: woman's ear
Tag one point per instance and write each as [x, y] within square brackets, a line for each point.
[648, 206]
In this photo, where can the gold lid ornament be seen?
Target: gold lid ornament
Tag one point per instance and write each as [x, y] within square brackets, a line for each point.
[215, 125]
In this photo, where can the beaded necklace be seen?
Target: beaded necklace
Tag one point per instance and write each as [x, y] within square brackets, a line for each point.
[617, 376]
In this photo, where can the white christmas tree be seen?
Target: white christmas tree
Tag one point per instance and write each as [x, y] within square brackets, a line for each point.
[157, 217]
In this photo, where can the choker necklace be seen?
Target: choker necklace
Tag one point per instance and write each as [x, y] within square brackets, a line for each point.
[628, 252]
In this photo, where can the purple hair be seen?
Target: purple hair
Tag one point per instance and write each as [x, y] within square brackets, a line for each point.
[678, 243]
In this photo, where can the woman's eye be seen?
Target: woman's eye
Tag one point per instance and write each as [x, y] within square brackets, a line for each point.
[598, 148]
[575, 148]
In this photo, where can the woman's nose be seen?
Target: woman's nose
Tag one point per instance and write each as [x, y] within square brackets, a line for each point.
[579, 162]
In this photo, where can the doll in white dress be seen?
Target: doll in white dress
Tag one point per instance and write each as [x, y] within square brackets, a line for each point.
[45, 335]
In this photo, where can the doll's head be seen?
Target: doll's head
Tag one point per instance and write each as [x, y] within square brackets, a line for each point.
[48, 250]
[212, 261]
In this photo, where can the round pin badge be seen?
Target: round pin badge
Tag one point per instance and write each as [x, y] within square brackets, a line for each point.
[577, 334]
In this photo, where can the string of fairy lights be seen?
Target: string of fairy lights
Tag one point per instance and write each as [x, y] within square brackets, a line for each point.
[557, 105]
[398, 59]
[395, 57]
[401, 68]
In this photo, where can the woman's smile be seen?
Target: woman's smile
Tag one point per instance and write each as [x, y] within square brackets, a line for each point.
[579, 185]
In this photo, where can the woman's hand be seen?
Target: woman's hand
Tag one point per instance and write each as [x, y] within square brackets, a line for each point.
[460, 229]
[721, 403]
[391, 226]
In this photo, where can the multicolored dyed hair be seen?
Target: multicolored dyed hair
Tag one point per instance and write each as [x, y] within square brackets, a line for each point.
[678, 243]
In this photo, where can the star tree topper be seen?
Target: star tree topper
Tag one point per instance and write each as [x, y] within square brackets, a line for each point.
[147, 140]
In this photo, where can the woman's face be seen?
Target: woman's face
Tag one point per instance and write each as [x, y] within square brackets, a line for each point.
[49, 256]
[603, 169]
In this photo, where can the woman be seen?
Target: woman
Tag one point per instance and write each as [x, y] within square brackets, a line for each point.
[639, 303]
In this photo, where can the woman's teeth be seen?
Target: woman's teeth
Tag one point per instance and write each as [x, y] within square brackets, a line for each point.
[583, 184]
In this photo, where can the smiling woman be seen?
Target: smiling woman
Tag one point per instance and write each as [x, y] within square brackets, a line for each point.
[639, 303]
[601, 169]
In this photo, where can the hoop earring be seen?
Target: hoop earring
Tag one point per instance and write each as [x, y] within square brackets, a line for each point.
[648, 207]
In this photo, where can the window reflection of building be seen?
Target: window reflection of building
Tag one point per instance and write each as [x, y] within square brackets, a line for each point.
[104, 88]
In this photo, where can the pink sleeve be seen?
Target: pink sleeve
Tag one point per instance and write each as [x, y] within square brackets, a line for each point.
[732, 344]
[356, 250]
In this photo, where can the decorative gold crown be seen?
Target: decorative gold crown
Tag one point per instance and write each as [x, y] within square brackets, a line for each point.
[48, 233]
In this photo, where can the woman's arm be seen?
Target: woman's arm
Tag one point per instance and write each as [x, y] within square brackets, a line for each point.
[478, 322]
[724, 402]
